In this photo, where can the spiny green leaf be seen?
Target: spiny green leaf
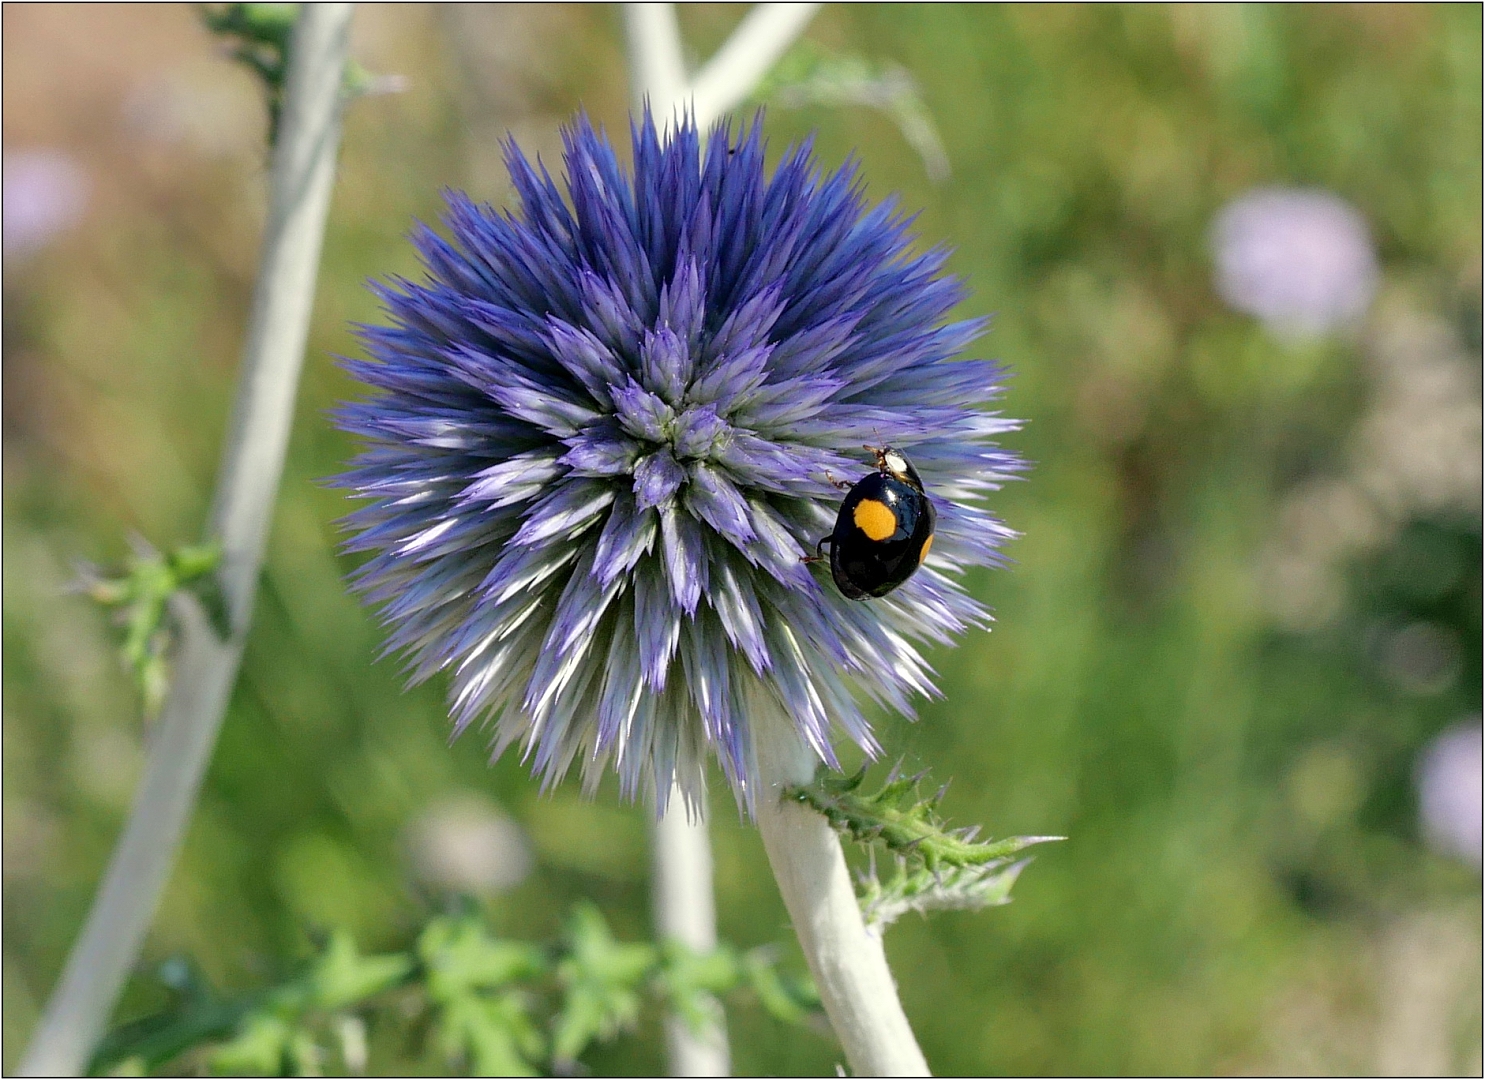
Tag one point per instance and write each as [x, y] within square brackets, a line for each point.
[946, 889]
[481, 993]
[487, 1034]
[897, 817]
[938, 868]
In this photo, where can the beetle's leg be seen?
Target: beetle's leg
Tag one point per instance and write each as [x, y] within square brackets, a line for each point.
[819, 555]
[844, 485]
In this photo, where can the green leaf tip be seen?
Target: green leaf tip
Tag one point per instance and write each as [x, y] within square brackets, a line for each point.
[141, 594]
[261, 36]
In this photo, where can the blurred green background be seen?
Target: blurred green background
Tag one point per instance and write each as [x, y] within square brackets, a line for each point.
[1206, 669]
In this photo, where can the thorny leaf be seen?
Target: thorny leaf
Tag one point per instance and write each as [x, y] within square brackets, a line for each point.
[897, 817]
[955, 888]
[938, 868]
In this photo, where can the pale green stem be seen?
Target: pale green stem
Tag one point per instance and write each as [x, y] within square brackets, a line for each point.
[758, 43]
[845, 957]
[302, 176]
[685, 911]
[683, 895]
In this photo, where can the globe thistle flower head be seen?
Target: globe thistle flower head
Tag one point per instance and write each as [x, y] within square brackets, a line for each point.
[603, 435]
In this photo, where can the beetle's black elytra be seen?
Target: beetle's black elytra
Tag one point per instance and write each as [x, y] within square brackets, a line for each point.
[884, 529]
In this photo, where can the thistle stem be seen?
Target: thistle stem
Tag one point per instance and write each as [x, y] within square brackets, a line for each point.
[847, 960]
[685, 911]
[302, 176]
[685, 908]
[657, 70]
[758, 43]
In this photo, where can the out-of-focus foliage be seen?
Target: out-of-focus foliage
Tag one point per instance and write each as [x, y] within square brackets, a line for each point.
[259, 37]
[1247, 597]
[807, 75]
[470, 1001]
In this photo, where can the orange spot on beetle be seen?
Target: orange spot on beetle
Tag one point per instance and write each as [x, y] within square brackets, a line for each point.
[924, 553]
[875, 519]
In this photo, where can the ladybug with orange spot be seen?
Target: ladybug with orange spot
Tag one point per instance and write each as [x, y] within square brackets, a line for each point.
[884, 529]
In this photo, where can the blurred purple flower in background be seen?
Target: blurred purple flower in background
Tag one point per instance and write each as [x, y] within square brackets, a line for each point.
[603, 440]
[1300, 260]
[44, 193]
[1450, 800]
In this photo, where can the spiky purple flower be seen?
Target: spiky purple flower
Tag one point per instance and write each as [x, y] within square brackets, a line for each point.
[603, 439]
